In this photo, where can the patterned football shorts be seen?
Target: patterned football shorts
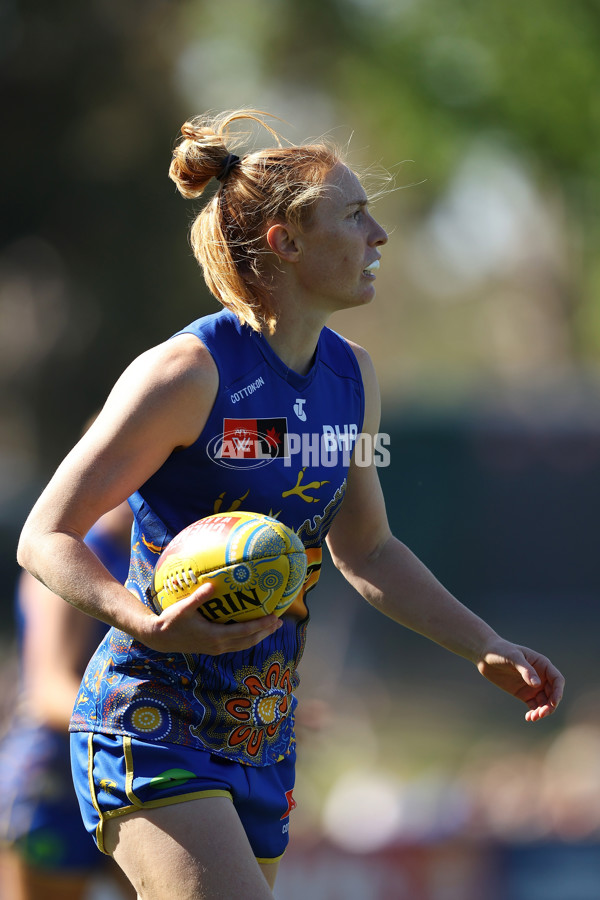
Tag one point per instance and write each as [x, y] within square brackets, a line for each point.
[116, 774]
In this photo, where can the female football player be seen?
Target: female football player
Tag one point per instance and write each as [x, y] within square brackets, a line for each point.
[182, 735]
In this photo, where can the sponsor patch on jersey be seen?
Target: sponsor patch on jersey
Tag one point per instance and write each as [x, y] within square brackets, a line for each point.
[257, 439]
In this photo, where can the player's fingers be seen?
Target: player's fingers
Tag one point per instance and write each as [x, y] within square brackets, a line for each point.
[214, 638]
[558, 686]
[539, 710]
[528, 674]
[253, 626]
[249, 633]
[525, 669]
[549, 674]
[200, 596]
[243, 635]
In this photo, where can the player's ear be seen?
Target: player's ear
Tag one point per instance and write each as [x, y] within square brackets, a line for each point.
[282, 241]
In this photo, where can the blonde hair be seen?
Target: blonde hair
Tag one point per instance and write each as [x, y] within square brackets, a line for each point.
[280, 184]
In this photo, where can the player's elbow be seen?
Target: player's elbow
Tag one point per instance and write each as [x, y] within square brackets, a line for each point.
[26, 547]
[355, 559]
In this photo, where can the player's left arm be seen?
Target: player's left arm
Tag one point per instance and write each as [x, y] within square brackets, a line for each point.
[391, 578]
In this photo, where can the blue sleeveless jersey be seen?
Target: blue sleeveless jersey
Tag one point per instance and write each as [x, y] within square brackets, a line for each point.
[276, 443]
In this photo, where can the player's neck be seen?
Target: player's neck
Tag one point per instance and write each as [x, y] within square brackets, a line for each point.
[296, 337]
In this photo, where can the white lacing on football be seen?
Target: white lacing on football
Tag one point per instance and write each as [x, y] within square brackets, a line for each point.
[173, 583]
[189, 576]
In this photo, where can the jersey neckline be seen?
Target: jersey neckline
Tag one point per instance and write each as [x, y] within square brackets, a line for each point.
[293, 378]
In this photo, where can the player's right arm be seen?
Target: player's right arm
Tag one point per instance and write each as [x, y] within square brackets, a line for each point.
[160, 404]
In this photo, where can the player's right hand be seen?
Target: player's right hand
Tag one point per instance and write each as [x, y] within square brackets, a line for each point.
[181, 628]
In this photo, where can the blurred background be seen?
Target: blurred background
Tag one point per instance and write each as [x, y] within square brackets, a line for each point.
[417, 779]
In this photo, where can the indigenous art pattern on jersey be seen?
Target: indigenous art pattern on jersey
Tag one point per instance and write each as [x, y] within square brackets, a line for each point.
[237, 705]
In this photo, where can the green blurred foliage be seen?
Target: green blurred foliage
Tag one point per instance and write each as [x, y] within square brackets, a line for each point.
[425, 79]
[427, 75]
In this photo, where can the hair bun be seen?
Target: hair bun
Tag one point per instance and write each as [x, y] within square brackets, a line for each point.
[197, 159]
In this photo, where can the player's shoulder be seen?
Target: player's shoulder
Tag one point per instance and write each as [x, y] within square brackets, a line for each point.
[167, 389]
[365, 363]
[339, 352]
[360, 353]
[182, 359]
[216, 328]
[369, 378]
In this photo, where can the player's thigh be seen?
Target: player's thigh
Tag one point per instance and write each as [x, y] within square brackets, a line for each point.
[196, 850]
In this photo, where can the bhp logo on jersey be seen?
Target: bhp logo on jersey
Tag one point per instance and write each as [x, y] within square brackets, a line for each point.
[251, 442]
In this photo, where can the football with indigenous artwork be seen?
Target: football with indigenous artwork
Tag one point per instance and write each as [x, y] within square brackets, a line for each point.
[256, 564]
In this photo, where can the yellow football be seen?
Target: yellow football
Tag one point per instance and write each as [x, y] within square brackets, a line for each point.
[256, 564]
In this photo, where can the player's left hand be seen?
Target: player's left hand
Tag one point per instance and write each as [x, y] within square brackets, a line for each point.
[525, 674]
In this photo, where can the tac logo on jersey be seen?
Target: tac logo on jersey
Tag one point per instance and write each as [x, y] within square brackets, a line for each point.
[249, 442]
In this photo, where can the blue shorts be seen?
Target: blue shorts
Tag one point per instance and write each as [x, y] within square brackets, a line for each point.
[116, 774]
[39, 813]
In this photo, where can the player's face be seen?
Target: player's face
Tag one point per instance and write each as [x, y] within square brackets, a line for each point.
[340, 246]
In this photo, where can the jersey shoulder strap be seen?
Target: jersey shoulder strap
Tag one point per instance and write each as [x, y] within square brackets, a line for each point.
[228, 342]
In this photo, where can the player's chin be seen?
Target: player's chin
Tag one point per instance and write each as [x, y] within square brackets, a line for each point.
[366, 295]
[369, 288]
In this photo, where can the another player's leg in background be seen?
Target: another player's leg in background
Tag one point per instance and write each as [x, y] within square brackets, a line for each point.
[20, 881]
